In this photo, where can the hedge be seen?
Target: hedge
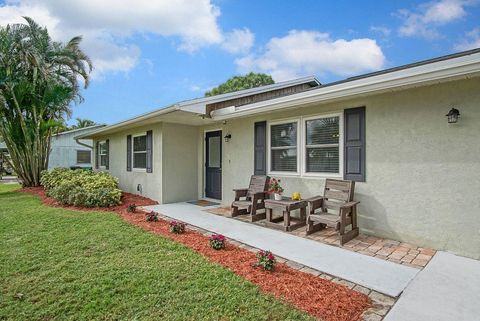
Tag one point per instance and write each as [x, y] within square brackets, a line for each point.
[81, 187]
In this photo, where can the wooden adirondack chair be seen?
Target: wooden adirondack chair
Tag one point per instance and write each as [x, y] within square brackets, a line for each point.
[250, 200]
[337, 209]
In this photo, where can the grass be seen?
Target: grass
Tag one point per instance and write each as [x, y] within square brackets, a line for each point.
[94, 266]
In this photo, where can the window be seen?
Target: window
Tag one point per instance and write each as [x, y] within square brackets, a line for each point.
[102, 153]
[83, 157]
[140, 151]
[307, 146]
[283, 147]
[322, 145]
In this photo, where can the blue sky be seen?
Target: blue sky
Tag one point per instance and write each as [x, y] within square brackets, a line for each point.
[151, 53]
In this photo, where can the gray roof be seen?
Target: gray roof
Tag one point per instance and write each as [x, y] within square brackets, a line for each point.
[407, 66]
[251, 91]
[81, 130]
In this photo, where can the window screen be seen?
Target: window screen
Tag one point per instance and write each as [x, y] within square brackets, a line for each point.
[322, 154]
[283, 147]
[83, 157]
[140, 151]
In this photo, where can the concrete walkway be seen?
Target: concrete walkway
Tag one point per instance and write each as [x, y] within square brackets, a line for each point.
[448, 289]
[379, 275]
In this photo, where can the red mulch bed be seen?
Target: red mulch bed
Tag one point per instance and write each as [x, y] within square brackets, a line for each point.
[321, 298]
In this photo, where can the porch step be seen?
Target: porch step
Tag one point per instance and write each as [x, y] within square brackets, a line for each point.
[382, 276]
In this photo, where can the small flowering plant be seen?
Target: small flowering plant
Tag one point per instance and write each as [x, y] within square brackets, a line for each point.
[217, 241]
[275, 187]
[151, 217]
[131, 208]
[177, 227]
[266, 260]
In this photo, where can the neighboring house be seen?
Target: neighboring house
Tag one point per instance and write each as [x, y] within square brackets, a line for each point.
[68, 152]
[417, 175]
[5, 167]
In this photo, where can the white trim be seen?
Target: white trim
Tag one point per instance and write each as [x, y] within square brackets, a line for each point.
[140, 169]
[441, 71]
[100, 166]
[304, 172]
[204, 164]
[269, 147]
[301, 146]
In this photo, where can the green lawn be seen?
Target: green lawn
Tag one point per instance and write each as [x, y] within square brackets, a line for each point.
[94, 266]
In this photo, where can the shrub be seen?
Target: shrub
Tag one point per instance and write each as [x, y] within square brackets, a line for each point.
[131, 208]
[151, 217]
[81, 187]
[266, 260]
[177, 227]
[217, 241]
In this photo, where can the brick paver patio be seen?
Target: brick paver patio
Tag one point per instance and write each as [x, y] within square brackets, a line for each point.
[390, 250]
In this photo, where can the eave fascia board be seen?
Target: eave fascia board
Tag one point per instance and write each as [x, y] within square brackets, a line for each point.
[130, 121]
[408, 77]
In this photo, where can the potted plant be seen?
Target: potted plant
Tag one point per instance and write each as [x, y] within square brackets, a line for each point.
[276, 189]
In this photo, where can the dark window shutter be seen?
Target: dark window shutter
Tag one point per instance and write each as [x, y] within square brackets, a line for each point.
[260, 156]
[97, 154]
[129, 153]
[107, 146]
[149, 152]
[354, 141]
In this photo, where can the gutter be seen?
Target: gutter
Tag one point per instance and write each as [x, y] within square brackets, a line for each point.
[442, 71]
[163, 111]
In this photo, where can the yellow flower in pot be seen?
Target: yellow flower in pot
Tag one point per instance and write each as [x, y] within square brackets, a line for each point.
[296, 196]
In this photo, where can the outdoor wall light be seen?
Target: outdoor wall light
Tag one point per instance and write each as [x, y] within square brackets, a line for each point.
[453, 115]
[227, 138]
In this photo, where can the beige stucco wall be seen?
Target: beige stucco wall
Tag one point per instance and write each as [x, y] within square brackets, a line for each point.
[128, 181]
[423, 175]
[174, 176]
[179, 163]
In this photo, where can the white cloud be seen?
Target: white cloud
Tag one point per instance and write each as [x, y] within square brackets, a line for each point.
[471, 41]
[238, 41]
[431, 15]
[381, 29]
[107, 25]
[301, 53]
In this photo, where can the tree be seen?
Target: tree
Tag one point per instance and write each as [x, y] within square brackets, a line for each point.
[39, 79]
[236, 83]
[82, 123]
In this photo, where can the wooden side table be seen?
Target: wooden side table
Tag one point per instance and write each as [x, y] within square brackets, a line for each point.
[286, 206]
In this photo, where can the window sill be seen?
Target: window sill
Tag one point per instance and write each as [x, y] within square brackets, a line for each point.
[139, 170]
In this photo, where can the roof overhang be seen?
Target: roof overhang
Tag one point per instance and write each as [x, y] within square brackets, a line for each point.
[442, 71]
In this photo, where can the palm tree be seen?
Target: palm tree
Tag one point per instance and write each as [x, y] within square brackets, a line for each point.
[39, 78]
[83, 123]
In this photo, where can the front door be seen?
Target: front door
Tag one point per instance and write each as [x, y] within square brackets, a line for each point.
[213, 164]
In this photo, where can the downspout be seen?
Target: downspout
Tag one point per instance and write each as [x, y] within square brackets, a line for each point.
[77, 140]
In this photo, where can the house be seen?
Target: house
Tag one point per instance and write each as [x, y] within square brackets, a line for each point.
[417, 171]
[68, 152]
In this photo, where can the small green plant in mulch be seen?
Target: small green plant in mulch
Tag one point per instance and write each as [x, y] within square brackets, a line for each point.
[151, 217]
[131, 208]
[217, 241]
[265, 260]
[177, 227]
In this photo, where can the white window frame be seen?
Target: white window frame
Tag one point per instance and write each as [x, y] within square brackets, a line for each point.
[269, 150]
[340, 146]
[100, 154]
[83, 150]
[137, 169]
[302, 147]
